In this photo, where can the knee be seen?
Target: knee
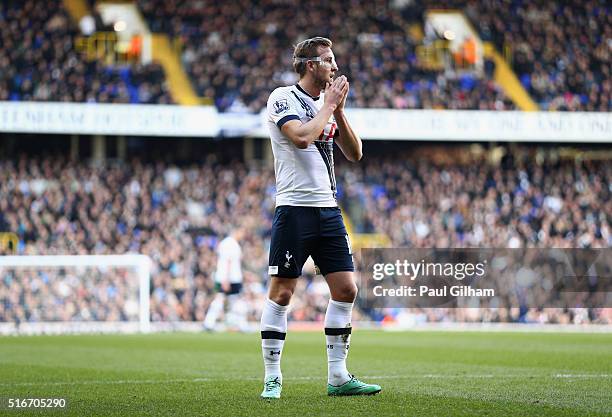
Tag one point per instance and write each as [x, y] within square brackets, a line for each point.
[351, 291]
[347, 293]
[282, 296]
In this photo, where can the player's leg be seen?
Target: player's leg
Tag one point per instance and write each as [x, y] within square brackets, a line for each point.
[334, 258]
[287, 256]
[215, 309]
[274, 331]
[237, 308]
[338, 324]
[338, 336]
[274, 324]
[335, 261]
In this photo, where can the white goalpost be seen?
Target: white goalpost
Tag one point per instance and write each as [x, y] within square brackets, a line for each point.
[91, 267]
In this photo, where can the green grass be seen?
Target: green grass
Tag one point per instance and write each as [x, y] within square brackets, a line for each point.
[422, 373]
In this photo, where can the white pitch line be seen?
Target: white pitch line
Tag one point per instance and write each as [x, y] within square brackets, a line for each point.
[298, 378]
[101, 382]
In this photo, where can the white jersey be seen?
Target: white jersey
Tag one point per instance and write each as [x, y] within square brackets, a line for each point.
[304, 177]
[229, 256]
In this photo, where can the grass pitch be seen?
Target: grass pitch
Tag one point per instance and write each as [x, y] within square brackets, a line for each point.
[422, 373]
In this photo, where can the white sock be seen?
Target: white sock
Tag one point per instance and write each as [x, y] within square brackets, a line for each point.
[239, 310]
[338, 335]
[273, 332]
[214, 310]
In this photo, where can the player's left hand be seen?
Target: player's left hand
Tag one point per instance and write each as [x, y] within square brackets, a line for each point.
[345, 90]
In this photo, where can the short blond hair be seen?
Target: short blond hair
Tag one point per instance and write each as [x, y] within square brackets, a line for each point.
[308, 49]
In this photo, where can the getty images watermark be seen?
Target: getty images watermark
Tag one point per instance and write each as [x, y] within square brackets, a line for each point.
[411, 271]
[523, 278]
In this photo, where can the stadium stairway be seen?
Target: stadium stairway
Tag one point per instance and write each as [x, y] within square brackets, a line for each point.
[503, 75]
[76, 8]
[364, 240]
[507, 79]
[178, 81]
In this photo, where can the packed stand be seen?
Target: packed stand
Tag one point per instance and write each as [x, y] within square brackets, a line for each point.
[560, 50]
[172, 215]
[511, 205]
[61, 294]
[516, 203]
[177, 216]
[239, 52]
[39, 61]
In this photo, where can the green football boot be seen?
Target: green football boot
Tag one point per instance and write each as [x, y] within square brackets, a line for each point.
[272, 388]
[353, 387]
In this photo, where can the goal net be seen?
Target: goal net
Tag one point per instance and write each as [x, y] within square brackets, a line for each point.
[74, 293]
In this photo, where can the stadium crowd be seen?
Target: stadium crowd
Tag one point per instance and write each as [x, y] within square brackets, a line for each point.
[514, 204]
[239, 52]
[39, 61]
[177, 215]
[560, 50]
[50, 294]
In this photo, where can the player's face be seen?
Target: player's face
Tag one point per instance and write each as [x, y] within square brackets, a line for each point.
[326, 68]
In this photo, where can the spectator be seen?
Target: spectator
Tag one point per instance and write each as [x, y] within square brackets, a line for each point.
[560, 50]
[233, 53]
[173, 215]
[39, 62]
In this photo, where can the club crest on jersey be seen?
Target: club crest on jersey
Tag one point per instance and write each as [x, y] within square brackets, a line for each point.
[281, 106]
[288, 256]
[328, 133]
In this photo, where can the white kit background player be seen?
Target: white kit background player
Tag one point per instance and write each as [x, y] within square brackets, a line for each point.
[304, 121]
[228, 283]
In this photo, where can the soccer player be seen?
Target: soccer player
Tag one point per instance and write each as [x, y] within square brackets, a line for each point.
[304, 121]
[228, 280]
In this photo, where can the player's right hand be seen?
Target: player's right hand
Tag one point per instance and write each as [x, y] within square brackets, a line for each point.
[335, 91]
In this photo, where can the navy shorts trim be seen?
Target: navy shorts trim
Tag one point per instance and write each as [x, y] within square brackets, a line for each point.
[299, 232]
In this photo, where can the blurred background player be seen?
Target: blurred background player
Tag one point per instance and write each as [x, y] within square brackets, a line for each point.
[228, 284]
